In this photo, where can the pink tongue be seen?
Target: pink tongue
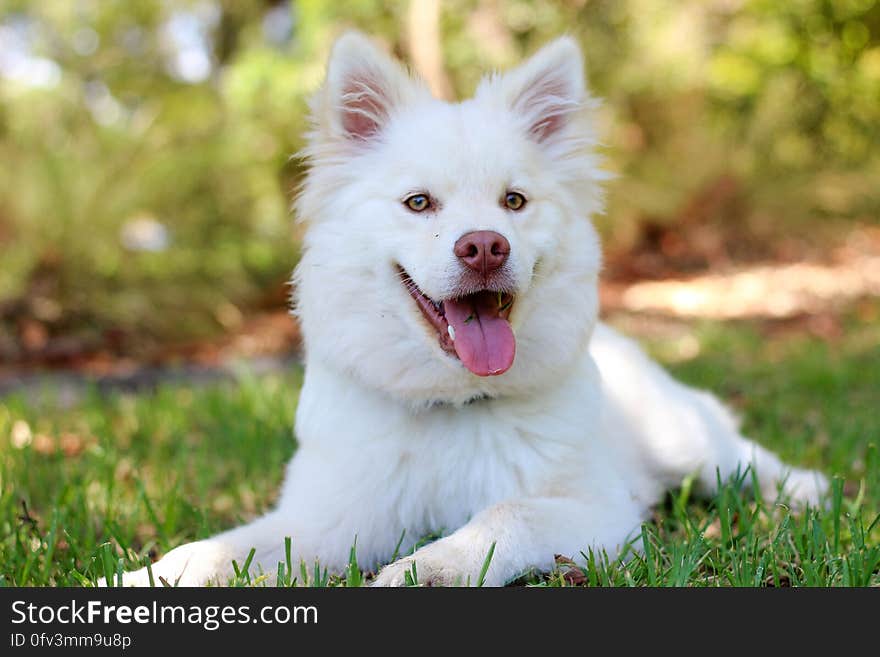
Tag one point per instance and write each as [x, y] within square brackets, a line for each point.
[483, 340]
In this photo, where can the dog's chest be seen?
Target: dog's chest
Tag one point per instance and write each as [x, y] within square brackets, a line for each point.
[433, 469]
[452, 463]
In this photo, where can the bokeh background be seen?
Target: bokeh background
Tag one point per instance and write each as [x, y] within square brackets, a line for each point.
[147, 176]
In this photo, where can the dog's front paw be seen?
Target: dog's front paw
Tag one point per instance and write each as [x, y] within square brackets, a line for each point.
[439, 564]
[193, 564]
[415, 571]
[138, 578]
[419, 571]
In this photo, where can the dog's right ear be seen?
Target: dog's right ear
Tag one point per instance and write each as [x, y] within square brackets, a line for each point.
[364, 87]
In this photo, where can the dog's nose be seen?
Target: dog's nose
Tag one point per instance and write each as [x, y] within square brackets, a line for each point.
[484, 251]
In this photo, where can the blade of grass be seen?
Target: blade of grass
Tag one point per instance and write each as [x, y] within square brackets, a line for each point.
[482, 578]
[396, 553]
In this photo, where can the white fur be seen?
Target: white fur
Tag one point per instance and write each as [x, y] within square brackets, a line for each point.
[566, 451]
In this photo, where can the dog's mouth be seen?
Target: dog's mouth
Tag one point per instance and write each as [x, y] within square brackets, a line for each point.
[473, 327]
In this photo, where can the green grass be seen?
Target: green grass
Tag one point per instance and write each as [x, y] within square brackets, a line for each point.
[109, 481]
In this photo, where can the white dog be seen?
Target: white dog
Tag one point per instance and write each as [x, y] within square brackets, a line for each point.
[456, 378]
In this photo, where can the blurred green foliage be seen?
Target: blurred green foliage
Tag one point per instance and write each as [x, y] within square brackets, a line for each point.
[146, 144]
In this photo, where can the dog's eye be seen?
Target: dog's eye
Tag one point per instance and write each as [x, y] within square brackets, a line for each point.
[417, 202]
[514, 201]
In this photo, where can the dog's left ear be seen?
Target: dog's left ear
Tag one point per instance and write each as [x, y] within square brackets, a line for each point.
[548, 89]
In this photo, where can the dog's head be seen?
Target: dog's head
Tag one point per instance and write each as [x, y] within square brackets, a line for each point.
[449, 253]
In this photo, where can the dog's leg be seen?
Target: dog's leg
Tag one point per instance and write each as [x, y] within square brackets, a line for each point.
[527, 533]
[677, 431]
[323, 512]
[209, 561]
[723, 452]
